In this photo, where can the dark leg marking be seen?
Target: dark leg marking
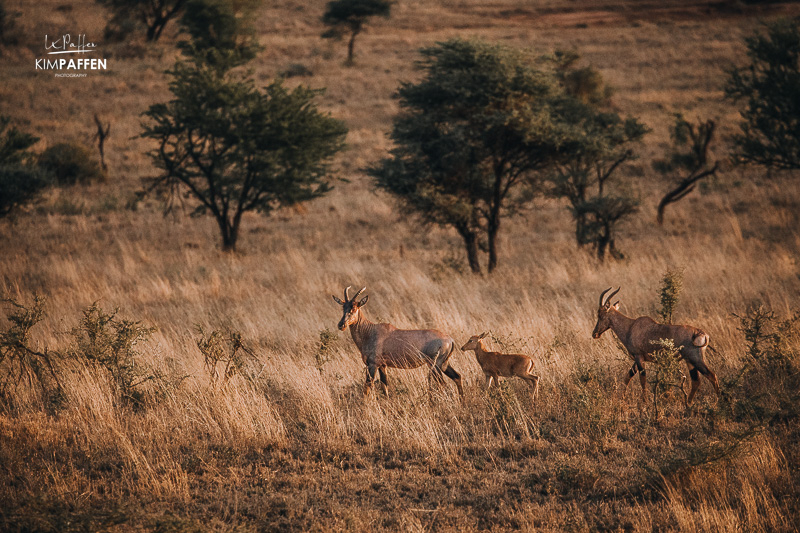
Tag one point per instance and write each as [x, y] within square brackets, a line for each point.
[694, 373]
[371, 369]
[384, 380]
[451, 373]
[642, 376]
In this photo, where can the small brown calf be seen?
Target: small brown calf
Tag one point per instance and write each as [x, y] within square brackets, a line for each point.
[496, 364]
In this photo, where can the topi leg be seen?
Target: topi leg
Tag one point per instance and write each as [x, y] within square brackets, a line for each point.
[451, 373]
[384, 380]
[642, 376]
[371, 370]
[533, 380]
[695, 375]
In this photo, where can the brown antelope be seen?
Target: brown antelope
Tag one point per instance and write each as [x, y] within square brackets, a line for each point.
[384, 346]
[496, 364]
[641, 335]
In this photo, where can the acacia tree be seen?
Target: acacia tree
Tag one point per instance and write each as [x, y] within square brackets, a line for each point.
[471, 139]
[350, 15]
[234, 148]
[602, 215]
[154, 15]
[219, 31]
[768, 86]
[585, 176]
[688, 158]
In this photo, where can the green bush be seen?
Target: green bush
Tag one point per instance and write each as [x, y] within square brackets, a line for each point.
[103, 340]
[9, 35]
[666, 374]
[224, 354]
[20, 183]
[71, 163]
[669, 293]
[19, 363]
[765, 389]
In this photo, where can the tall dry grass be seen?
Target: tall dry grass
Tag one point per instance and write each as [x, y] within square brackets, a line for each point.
[288, 443]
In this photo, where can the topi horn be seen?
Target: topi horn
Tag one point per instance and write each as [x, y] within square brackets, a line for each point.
[608, 300]
[359, 292]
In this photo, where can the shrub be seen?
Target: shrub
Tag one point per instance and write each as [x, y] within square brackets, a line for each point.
[20, 183]
[103, 340]
[666, 373]
[765, 389]
[71, 163]
[222, 351]
[671, 285]
[18, 361]
[9, 34]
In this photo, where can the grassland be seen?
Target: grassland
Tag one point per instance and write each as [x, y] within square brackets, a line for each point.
[294, 447]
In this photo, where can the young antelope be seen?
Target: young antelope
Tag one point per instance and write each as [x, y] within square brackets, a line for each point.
[496, 364]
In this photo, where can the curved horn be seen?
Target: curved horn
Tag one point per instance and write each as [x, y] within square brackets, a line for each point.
[359, 292]
[608, 300]
[346, 296]
[603, 294]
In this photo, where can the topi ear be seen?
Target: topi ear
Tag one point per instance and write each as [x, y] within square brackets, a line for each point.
[337, 300]
[616, 305]
[363, 302]
[482, 335]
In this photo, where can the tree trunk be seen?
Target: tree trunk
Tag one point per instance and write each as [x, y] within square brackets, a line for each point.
[153, 30]
[492, 236]
[661, 206]
[580, 229]
[159, 29]
[493, 220]
[354, 30]
[230, 234]
[471, 244]
[602, 243]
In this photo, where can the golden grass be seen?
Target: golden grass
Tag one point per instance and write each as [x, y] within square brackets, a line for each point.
[296, 448]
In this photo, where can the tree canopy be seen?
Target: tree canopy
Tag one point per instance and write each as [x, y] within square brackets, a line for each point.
[768, 87]
[351, 15]
[586, 173]
[471, 138]
[234, 148]
[153, 15]
[219, 32]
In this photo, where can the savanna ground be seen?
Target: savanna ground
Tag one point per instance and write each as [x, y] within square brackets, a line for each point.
[288, 443]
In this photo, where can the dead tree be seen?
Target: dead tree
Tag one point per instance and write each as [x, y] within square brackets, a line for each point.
[689, 155]
[101, 135]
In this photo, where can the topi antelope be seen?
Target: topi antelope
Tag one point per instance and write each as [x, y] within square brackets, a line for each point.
[641, 335]
[496, 364]
[384, 346]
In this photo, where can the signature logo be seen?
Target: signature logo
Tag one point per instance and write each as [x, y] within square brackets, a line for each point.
[67, 44]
